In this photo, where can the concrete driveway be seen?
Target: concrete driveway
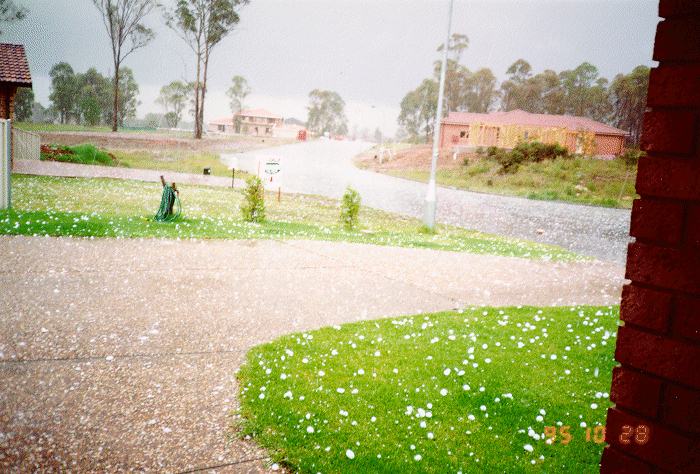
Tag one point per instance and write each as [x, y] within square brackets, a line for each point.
[325, 167]
[120, 355]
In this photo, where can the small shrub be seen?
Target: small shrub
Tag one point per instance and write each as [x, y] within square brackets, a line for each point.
[631, 157]
[82, 154]
[253, 206]
[537, 151]
[492, 151]
[510, 160]
[350, 209]
[424, 229]
[480, 151]
[526, 152]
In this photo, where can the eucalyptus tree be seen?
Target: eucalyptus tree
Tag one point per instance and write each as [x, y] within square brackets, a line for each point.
[123, 20]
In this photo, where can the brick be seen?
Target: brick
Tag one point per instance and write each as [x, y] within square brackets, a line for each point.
[673, 8]
[647, 308]
[663, 447]
[692, 231]
[664, 267]
[674, 86]
[676, 178]
[635, 391]
[678, 40]
[681, 408]
[615, 462]
[668, 177]
[686, 321]
[660, 221]
[667, 358]
[671, 131]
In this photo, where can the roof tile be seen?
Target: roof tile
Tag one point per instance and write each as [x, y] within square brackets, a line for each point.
[13, 64]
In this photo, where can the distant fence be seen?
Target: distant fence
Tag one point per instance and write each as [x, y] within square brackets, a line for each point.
[26, 145]
[5, 171]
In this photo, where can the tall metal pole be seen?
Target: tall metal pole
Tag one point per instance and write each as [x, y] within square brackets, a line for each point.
[431, 196]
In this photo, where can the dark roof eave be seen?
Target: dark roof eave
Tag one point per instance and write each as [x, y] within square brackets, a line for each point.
[16, 83]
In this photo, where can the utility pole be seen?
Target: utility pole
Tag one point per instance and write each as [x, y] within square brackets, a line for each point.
[431, 196]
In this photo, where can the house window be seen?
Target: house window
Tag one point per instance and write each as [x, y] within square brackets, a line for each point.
[221, 128]
[464, 134]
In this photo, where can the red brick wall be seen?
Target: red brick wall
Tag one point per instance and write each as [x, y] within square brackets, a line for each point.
[658, 381]
[608, 144]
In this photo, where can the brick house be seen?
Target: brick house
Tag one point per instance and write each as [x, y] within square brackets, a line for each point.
[462, 131]
[14, 73]
[256, 122]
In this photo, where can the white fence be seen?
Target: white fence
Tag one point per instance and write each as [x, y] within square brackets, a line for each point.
[26, 145]
[5, 165]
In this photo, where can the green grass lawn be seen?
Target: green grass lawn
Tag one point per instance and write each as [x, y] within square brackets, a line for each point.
[467, 391]
[122, 208]
[606, 183]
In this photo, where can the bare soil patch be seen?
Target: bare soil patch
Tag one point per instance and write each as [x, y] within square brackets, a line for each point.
[414, 158]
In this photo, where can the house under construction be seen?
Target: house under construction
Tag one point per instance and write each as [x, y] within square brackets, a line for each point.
[462, 131]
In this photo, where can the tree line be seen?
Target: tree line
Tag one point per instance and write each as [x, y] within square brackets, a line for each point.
[82, 98]
[580, 91]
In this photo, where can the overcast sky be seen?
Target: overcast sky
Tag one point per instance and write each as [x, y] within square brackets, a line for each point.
[370, 51]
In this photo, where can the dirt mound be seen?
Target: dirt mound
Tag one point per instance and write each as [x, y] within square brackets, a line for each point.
[414, 157]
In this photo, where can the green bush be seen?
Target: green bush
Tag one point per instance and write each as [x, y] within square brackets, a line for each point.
[526, 152]
[253, 205]
[492, 151]
[537, 151]
[631, 157]
[480, 151]
[82, 154]
[509, 160]
[350, 209]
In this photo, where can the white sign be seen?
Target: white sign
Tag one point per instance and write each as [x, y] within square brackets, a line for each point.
[272, 172]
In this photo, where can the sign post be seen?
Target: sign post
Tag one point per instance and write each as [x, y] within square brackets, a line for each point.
[5, 164]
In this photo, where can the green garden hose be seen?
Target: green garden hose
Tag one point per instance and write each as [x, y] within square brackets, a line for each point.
[170, 200]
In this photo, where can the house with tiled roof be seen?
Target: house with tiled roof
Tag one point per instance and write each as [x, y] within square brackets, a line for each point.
[256, 122]
[14, 73]
[464, 131]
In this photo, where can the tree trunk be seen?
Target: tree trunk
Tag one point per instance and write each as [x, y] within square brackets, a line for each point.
[115, 109]
[200, 117]
[197, 131]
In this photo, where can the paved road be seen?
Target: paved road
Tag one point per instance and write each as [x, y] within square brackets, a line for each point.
[326, 168]
[120, 355]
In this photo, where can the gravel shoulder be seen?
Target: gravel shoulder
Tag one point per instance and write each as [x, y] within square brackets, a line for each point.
[121, 354]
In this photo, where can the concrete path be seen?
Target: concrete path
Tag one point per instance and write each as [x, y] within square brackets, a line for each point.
[120, 355]
[72, 170]
[326, 168]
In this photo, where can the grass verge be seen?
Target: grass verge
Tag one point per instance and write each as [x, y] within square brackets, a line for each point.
[166, 160]
[608, 183]
[175, 160]
[467, 391]
[122, 208]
